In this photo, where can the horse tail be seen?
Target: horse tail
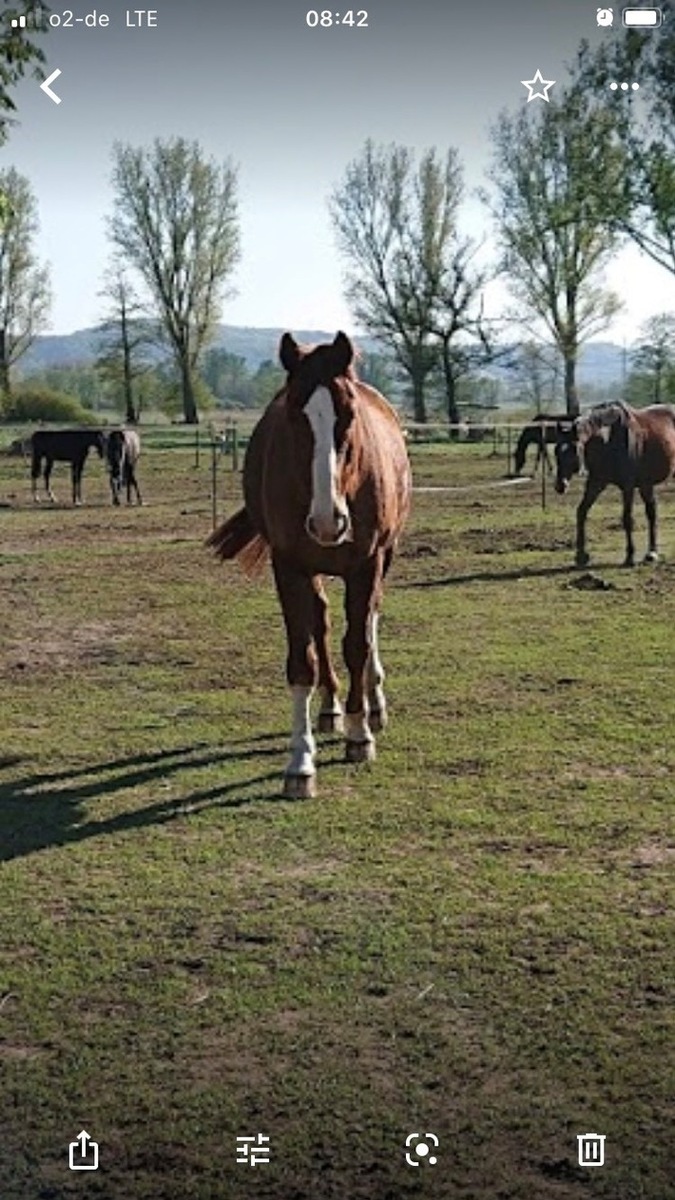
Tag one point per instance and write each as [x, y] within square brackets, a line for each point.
[236, 538]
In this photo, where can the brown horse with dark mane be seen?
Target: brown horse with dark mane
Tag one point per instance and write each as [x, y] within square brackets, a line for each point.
[327, 490]
[631, 448]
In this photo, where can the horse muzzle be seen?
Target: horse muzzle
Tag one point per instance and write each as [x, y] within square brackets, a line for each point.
[332, 531]
[561, 486]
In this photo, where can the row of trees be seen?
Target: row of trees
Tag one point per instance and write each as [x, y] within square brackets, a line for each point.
[571, 181]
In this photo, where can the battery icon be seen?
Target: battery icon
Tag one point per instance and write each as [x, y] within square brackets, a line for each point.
[642, 18]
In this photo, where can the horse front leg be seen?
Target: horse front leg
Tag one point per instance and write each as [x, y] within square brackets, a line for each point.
[330, 712]
[649, 500]
[361, 596]
[627, 522]
[592, 490]
[297, 599]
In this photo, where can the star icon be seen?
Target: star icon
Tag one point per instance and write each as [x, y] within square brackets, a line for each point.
[544, 83]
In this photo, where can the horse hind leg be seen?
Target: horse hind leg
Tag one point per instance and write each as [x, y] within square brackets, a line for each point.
[330, 719]
[377, 703]
[628, 524]
[49, 466]
[649, 500]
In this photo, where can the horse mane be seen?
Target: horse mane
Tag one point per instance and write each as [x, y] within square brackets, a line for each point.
[602, 416]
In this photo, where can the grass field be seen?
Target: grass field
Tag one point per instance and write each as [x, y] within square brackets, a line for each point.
[472, 936]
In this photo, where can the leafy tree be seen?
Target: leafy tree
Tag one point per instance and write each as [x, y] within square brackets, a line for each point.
[25, 294]
[396, 227]
[552, 173]
[228, 377]
[18, 54]
[266, 382]
[654, 356]
[175, 223]
[645, 131]
[125, 335]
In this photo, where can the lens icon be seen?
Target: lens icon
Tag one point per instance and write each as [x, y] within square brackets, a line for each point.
[421, 1148]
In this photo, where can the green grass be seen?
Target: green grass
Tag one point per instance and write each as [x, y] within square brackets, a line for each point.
[471, 936]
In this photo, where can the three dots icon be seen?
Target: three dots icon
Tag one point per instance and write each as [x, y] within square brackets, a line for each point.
[624, 87]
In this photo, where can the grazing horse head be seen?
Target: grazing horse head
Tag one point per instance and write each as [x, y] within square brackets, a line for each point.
[567, 454]
[320, 397]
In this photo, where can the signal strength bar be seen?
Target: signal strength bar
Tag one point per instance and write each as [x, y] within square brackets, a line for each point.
[18, 22]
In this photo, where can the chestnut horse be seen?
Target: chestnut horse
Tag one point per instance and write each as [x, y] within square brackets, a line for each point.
[327, 490]
[624, 446]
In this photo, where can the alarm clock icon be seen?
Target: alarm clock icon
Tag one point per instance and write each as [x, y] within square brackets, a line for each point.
[605, 16]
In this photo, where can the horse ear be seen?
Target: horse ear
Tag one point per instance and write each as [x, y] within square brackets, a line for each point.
[289, 352]
[343, 351]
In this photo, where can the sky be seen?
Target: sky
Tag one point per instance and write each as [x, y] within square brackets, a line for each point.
[290, 106]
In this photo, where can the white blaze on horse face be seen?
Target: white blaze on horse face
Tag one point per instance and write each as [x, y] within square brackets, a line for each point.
[328, 518]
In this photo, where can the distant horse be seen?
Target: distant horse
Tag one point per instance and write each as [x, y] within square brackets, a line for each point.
[327, 489]
[620, 445]
[123, 447]
[63, 445]
[540, 434]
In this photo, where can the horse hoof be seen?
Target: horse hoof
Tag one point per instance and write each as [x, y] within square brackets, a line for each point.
[377, 719]
[299, 787]
[359, 752]
[651, 556]
[330, 722]
[628, 562]
[582, 560]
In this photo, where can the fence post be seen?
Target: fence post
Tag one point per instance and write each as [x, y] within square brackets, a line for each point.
[235, 447]
[196, 445]
[214, 483]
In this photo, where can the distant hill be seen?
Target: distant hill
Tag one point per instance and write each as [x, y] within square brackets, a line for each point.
[600, 363]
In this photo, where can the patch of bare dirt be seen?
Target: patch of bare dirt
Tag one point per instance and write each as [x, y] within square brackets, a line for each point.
[90, 642]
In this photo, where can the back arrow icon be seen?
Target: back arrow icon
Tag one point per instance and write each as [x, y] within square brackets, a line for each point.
[46, 88]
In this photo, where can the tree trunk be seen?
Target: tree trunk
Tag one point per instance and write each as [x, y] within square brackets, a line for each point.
[571, 396]
[4, 366]
[131, 417]
[189, 406]
[450, 391]
[419, 406]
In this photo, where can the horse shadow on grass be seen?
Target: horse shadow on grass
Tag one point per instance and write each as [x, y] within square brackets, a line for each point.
[512, 575]
[44, 810]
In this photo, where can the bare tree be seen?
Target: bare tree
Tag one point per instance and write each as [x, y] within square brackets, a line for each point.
[458, 320]
[175, 223]
[126, 333]
[395, 226]
[25, 294]
[551, 217]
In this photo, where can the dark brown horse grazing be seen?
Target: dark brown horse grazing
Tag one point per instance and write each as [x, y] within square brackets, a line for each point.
[542, 432]
[63, 445]
[327, 489]
[624, 446]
